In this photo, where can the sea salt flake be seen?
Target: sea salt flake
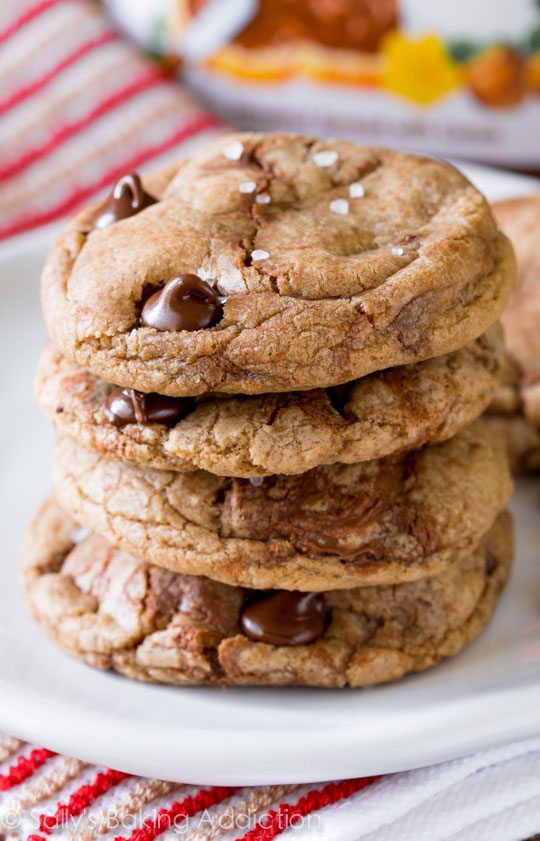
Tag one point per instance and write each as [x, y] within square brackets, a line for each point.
[234, 150]
[205, 275]
[260, 254]
[325, 158]
[248, 186]
[356, 190]
[398, 251]
[257, 481]
[340, 206]
[263, 198]
[80, 534]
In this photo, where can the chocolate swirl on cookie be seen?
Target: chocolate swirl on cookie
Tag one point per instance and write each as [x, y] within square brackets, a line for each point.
[125, 405]
[185, 303]
[285, 618]
[127, 198]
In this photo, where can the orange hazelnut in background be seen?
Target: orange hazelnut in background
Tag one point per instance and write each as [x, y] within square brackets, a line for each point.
[497, 77]
[533, 72]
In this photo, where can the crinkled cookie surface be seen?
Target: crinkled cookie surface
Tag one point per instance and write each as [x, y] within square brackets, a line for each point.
[249, 436]
[115, 612]
[520, 219]
[376, 522]
[334, 260]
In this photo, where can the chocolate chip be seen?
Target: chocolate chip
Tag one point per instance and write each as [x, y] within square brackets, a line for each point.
[285, 618]
[125, 405]
[185, 303]
[127, 198]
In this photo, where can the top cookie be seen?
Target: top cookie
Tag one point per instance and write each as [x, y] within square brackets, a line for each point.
[321, 262]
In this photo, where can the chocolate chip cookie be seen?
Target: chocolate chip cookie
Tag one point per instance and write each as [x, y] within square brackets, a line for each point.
[115, 612]
[377, 522]
[276, 263]
[249, 436]
[517, 404]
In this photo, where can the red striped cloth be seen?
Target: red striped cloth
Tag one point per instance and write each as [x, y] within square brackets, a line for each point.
[493, 795]
[44, 796]
[79, 106]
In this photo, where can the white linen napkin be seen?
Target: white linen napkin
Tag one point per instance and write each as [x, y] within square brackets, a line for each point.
[490, 796]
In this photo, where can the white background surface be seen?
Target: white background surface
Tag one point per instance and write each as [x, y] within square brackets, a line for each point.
[488, 695]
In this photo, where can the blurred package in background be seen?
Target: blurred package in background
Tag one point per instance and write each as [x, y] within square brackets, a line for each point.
[453, 77]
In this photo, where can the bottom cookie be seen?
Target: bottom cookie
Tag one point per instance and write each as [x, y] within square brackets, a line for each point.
[115, 612]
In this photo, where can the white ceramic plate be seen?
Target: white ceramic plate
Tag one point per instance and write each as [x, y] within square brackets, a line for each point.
[488, 695]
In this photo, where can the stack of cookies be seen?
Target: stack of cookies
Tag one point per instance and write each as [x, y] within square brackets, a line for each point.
[268, 367]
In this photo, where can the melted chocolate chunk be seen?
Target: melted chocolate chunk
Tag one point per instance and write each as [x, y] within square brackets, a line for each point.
[285, 618]
[126, 199]
[185, 303]
[125, 405]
